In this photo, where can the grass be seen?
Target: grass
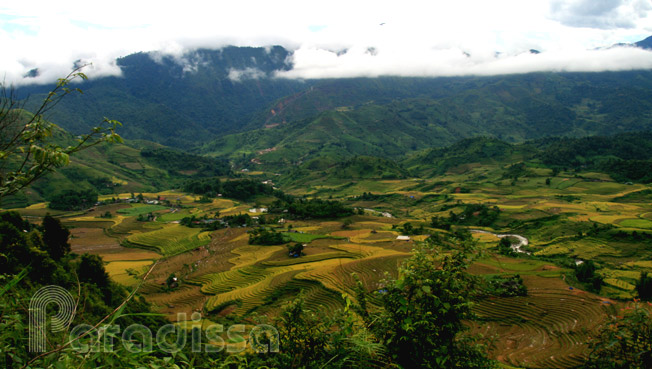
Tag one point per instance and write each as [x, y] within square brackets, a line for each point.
[636, 223]
[117, 270]
[303, 237]
[141, 209]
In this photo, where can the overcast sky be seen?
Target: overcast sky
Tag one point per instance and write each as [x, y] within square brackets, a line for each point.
[415, 38]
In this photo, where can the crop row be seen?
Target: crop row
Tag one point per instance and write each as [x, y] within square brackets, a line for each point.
[174, 239]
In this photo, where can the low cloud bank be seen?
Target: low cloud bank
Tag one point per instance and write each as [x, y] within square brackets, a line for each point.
[310, 63]
[316, 63]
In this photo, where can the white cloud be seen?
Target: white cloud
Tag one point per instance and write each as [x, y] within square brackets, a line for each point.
[415, 38]
[606, 14]
[319, 63]
[238, 75]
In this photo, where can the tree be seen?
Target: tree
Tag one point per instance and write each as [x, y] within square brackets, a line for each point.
[73, 200]
[644, 286]
[505, 247]
[421, 323]
[55, 237]
[586, 273]
[91, 270]
[26, 152]
[264, 236]
[295, 250]
[625, 342]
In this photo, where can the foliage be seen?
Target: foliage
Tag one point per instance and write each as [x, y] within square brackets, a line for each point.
[409, 230]
[440, 223]
[311, 208]
[26, 151]
[55, 237]
[586, 273]
[310, 340]
[472, 214]
[505, 247]
[242, 189]
[84, 276]
[295, 250]
[91, 270]
[624, 156]
[625, 342]
[73, 200]
[644, 286]
[266, 236]
[181, 162]
[506, 286]
[421, 323]
[239, 220]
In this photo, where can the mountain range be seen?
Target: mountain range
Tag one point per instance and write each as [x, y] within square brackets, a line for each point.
[229, 103]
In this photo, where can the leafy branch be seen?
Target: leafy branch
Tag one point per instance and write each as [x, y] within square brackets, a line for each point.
[26, 152]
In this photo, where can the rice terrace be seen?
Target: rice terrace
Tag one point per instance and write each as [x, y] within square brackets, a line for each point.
[220, 273]
[383, 185]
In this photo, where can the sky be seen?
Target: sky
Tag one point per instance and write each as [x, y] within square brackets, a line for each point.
[331, 38]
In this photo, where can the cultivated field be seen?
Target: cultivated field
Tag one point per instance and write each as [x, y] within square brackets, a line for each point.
[573, 219]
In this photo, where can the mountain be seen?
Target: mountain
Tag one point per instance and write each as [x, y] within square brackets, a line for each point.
[178, 101]
[482, 150]
[391, 117]
[645, 44]
[228, 102]
[136, 166]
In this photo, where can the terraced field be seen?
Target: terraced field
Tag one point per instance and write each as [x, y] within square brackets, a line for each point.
[170, 240]
[549, 328]
[220, 274]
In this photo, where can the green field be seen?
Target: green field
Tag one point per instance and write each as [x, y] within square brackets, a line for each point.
[141, 209]
[574, 218]
[171, 240]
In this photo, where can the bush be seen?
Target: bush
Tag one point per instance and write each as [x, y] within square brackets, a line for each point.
[266, 237]
[73, 200]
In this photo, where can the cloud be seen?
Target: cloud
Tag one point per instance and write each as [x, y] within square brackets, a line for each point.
[603, 14]
[378, 37]
[311, 63]
[238, 75]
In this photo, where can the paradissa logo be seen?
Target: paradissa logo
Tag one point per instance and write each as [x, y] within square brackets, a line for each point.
[138, 338]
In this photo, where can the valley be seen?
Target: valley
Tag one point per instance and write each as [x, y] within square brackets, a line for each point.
[500, 220]
[569, 218]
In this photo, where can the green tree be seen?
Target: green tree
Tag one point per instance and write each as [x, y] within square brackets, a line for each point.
[421, 323]
[505, 247]
[55, 237]
[264, 236]
[26, 150]
[91, 270]
[644, 286]
[625, 342]
[295, 249]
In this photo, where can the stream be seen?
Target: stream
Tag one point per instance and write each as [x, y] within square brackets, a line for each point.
[522, 241]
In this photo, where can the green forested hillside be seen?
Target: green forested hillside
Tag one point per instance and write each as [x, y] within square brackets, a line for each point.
[136, 166]
[395, 116]
[207, 95]
[178, 101]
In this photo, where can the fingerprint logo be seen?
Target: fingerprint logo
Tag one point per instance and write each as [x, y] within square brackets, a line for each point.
[38, 314]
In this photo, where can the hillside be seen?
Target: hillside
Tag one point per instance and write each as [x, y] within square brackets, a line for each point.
[178, 101]
[395, 116]
[135, 166]
[203, 97]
